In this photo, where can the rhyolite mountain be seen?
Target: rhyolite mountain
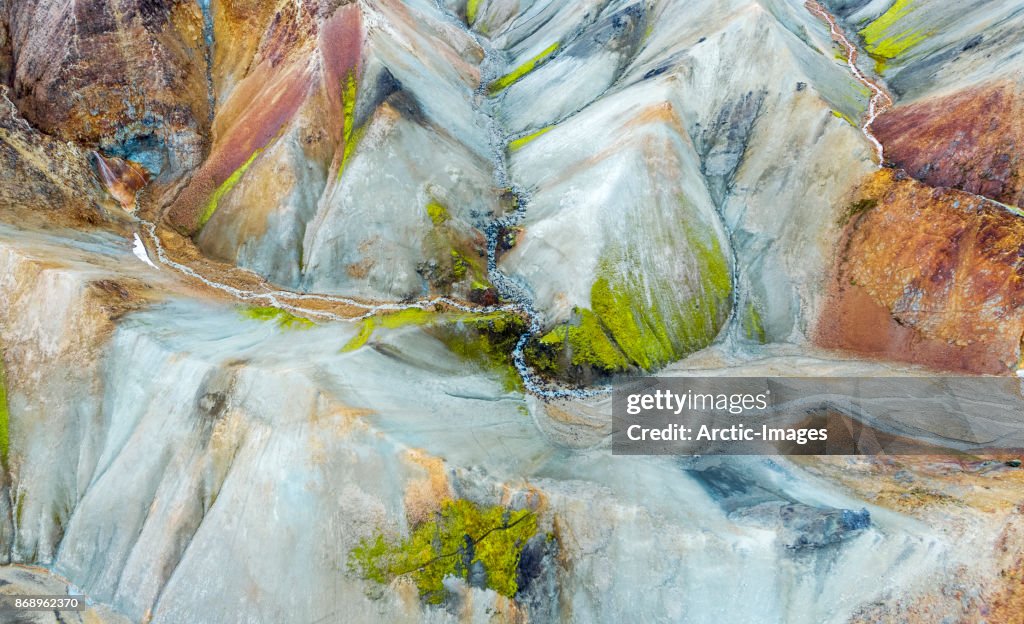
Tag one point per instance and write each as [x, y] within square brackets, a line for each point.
[644, 184]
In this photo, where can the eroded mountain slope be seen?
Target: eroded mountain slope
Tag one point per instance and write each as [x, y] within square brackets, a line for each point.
[639, 178]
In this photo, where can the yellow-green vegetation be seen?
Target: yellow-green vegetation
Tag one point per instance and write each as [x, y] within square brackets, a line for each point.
[521, 142]
[394, 320]
[753, 326]
[437, 212]
[460, 537]
[472, 6]
[884, 40]
[844, 117]
[487, 339]
[225, 188]
[5, 416]
[587, 341]
[349, 133]
[454, 259]
[637, 321]
[459, 265]
[283, 318]
[856, 209]
[360, 340]
[650, 336]
[512, 77]
[409, 316]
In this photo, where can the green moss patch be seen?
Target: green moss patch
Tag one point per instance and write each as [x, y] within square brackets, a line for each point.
[844, 117]
[349, 133]
[225, 188]
[640, 320]
[650, 336]
[459, 265]
[487, 339]
[589, 343]
[462, 536]
[437, 212]
[522, 141]
[753, 326]
[453, 259]
[283, 318]
[472, 7]
[884, 40]
[360, 340]
[410, 316]
[516, 74]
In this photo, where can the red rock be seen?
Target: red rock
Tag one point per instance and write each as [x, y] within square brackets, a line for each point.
[971, 140]
[301, 60]
[929, 276]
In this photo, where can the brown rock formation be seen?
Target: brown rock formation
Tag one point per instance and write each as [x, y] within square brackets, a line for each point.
[929, 276]
[970, 140]
[43, 177]
[127, 76]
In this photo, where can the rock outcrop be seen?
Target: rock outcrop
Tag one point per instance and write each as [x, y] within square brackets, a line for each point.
[930, 276]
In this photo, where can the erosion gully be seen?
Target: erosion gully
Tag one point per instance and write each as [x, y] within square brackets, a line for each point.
[880, 99]
[516, 296]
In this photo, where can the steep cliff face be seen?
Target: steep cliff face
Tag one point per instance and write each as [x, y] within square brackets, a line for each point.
[45, 179]
[127, 76]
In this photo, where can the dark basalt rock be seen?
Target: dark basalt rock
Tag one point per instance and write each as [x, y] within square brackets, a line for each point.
[723, 144]
[802, 526]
